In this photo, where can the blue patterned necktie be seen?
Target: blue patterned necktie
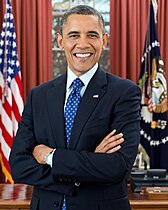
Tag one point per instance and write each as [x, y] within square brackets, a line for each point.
[72, 105]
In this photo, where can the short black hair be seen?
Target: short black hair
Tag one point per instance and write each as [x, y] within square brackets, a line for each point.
[82, 10]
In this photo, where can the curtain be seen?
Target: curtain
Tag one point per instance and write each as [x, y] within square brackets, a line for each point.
[33, 26]
[128, 25]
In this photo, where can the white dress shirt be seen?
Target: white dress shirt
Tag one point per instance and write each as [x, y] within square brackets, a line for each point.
[85, 78]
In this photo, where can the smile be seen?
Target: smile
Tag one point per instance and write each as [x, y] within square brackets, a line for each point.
[83, 55]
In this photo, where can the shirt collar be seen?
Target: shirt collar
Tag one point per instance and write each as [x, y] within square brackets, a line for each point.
[85, 77]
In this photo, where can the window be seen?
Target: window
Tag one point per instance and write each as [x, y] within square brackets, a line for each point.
[59, 7]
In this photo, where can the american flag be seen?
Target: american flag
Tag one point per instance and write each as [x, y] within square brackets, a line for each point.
[154, 123]
[11, 101]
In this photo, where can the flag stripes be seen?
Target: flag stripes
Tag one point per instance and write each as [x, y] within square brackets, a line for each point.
[11, 102]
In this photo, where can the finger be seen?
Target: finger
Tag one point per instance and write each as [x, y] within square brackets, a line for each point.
[106, 139]
[113, 144]
[115, 149]
[109, 146]
[110, 134]
[112, 139]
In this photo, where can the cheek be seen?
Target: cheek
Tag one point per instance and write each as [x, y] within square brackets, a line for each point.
[69, 44]
[98, 46]
[99, 49]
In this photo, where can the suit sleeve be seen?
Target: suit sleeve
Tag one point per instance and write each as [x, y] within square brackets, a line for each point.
[24, 168]
[87, 166]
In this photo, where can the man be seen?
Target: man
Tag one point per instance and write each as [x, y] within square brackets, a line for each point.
[70, 144]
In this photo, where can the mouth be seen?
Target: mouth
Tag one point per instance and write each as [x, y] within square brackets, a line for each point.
[82, 55]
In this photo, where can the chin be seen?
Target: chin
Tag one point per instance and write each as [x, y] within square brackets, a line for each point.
[80, 72]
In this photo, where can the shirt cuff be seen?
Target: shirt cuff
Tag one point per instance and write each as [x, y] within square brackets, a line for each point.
[49, 158]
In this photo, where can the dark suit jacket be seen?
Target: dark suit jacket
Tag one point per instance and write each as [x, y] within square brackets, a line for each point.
[91, 181]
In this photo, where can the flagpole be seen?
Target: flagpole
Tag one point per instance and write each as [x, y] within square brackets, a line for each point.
[155, 7]
[5, 59]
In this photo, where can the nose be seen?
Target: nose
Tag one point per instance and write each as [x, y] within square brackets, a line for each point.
[83, 42]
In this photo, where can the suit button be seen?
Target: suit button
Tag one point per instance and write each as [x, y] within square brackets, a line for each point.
[64, 179]
[73, 179]
[56, 203]
[77, 184]
[69, 179]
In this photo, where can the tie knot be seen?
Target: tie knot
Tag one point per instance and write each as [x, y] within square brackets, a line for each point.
[77, 83]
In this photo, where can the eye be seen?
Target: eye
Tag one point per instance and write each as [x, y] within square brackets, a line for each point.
[73, 36]
[93, 35]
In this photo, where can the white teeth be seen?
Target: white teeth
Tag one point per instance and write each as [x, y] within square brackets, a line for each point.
[82, 55]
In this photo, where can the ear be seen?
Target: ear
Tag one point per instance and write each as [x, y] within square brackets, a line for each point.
[59, 41]
[105, 40]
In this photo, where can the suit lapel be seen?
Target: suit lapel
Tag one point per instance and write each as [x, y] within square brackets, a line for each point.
[91, 98]
[55, 102]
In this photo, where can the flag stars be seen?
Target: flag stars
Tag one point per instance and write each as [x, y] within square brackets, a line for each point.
[10, 71]
[2, 43]
[7, 6]
[14, 35]
[7, 42]
[9, 79]
[149, 138]
[11, 25]
[153, 44]
[17, 63]
[156, 43]
[4, 25]
[11, 16]
[1, 51]
[149, 48]
[141, 132]
[12, 62]
[8, 24]
[14, 44]
[8, 45]
[13, 53]
[2, 33]
[164, 141]
[8, 33]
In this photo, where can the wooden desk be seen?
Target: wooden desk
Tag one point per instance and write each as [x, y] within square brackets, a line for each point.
[17, 197]
[141, 202]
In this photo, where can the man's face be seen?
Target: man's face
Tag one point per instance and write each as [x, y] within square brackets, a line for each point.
[83, 41]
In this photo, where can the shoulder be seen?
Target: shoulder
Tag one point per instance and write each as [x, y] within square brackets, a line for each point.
[49, 84]
[118, 83]
[116, 80]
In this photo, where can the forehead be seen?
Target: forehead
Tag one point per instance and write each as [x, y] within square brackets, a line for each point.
[77, 22]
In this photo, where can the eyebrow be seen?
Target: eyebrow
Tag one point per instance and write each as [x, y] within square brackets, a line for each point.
[93, 32]
[77, 32]
[73, 32]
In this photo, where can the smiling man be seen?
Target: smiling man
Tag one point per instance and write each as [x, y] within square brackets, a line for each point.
[83, 39]
[79, 133]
